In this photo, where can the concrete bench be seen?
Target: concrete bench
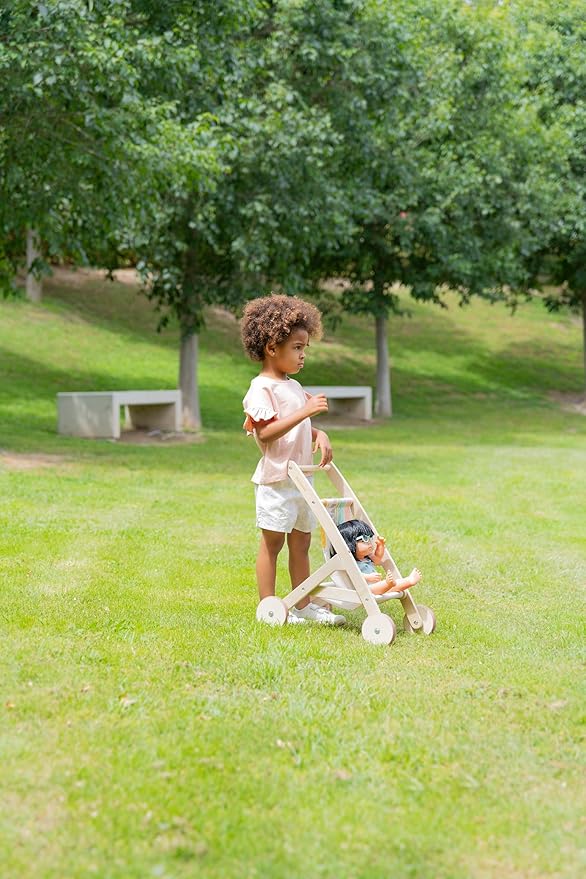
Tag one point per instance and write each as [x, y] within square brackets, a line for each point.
[97, 413]
[355, 400]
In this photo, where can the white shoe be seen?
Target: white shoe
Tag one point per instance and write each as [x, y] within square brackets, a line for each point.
[293, 619]
[318, 614]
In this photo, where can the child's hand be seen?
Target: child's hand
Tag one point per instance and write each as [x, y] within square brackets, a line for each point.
[316, 404]
[322, 442]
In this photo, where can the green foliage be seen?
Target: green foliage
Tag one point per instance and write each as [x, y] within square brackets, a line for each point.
[227, 148]
[438, 154]
[268, 209]
[84, 135]
[554, 42]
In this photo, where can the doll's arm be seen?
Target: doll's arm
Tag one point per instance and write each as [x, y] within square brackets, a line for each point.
[373, 578]
[379, 552]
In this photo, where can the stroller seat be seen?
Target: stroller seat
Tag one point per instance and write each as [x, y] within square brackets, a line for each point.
[341, 510]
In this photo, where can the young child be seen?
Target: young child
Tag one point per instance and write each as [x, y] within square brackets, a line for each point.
[368, 550]
[276, 331]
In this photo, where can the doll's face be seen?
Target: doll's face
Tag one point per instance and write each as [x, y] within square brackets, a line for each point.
[365, 546]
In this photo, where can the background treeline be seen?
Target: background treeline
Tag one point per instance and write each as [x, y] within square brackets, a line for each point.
[229, 148]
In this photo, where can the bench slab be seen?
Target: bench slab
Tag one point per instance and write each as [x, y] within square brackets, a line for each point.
[96, 414]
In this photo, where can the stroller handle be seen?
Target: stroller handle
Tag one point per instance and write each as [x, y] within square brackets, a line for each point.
[312, 468]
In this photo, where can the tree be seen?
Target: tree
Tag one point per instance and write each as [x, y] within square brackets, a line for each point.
[434, 150]
[182, 251]
[257, 222]
[96, 150]
[451, 206]
[74, 123]
[159, 133]
[554, 41]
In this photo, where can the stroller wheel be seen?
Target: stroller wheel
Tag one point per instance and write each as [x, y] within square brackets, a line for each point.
[272, 610]
[427, 617]
[379, 629]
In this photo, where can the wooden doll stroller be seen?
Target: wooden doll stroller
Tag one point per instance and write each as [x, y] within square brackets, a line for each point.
[347, 588]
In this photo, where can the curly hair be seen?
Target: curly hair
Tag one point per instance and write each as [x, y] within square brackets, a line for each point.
[273, 318]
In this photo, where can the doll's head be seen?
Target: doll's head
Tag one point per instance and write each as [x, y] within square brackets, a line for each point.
[270, 321]
[356, 531]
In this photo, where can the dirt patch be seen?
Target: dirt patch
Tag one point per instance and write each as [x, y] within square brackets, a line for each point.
[575, 403]
[24, 461]
[78, 277]
[158, 437]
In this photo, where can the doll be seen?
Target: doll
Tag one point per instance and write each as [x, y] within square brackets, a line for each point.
[368, 550]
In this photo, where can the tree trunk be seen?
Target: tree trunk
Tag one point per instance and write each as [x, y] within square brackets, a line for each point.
[188, 380]
[34, 287]
[584, 333]
[384, 407]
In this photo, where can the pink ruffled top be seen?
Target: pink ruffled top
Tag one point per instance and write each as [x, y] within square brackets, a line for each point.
[267, 400]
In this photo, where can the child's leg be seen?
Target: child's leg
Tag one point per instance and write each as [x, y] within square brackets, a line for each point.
[271, 544]
[298, 543]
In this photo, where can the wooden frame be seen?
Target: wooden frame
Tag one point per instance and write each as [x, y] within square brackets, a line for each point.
[343, 560]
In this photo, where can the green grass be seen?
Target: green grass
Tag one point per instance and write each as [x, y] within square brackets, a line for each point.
[149, 727]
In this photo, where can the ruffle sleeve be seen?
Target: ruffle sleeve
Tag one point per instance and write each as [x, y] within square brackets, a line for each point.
[258, 407]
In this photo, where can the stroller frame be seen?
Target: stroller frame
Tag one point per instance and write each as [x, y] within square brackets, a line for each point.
[378, 628]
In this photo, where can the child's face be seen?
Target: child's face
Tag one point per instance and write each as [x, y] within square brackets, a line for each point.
[290, 354]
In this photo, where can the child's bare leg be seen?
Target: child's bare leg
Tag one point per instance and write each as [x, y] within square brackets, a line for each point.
[298, 543]
[402, 583]
[271, 544]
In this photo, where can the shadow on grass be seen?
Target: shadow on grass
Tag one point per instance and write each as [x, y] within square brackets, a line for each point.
[24, 380]
[111, 305]
[462, 387]
[29, 379]
[123, 309]
[522, 366]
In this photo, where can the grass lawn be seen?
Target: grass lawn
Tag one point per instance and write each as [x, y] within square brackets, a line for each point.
[151, 728]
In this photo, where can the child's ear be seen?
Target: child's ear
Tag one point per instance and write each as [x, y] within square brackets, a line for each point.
[270, 349]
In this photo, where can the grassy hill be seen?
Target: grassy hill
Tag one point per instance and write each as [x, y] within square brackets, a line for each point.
[151, 728]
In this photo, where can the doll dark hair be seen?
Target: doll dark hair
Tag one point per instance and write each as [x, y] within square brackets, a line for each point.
[351, 531]
[273, 318]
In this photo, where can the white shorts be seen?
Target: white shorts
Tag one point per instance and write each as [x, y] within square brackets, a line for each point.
[281, 507]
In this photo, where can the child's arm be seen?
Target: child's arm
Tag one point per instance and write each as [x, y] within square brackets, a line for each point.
[269, 431]
[321, 441]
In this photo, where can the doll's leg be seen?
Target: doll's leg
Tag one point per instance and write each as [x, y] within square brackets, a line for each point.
[379, 587]
[402, 583]
[271, 544]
